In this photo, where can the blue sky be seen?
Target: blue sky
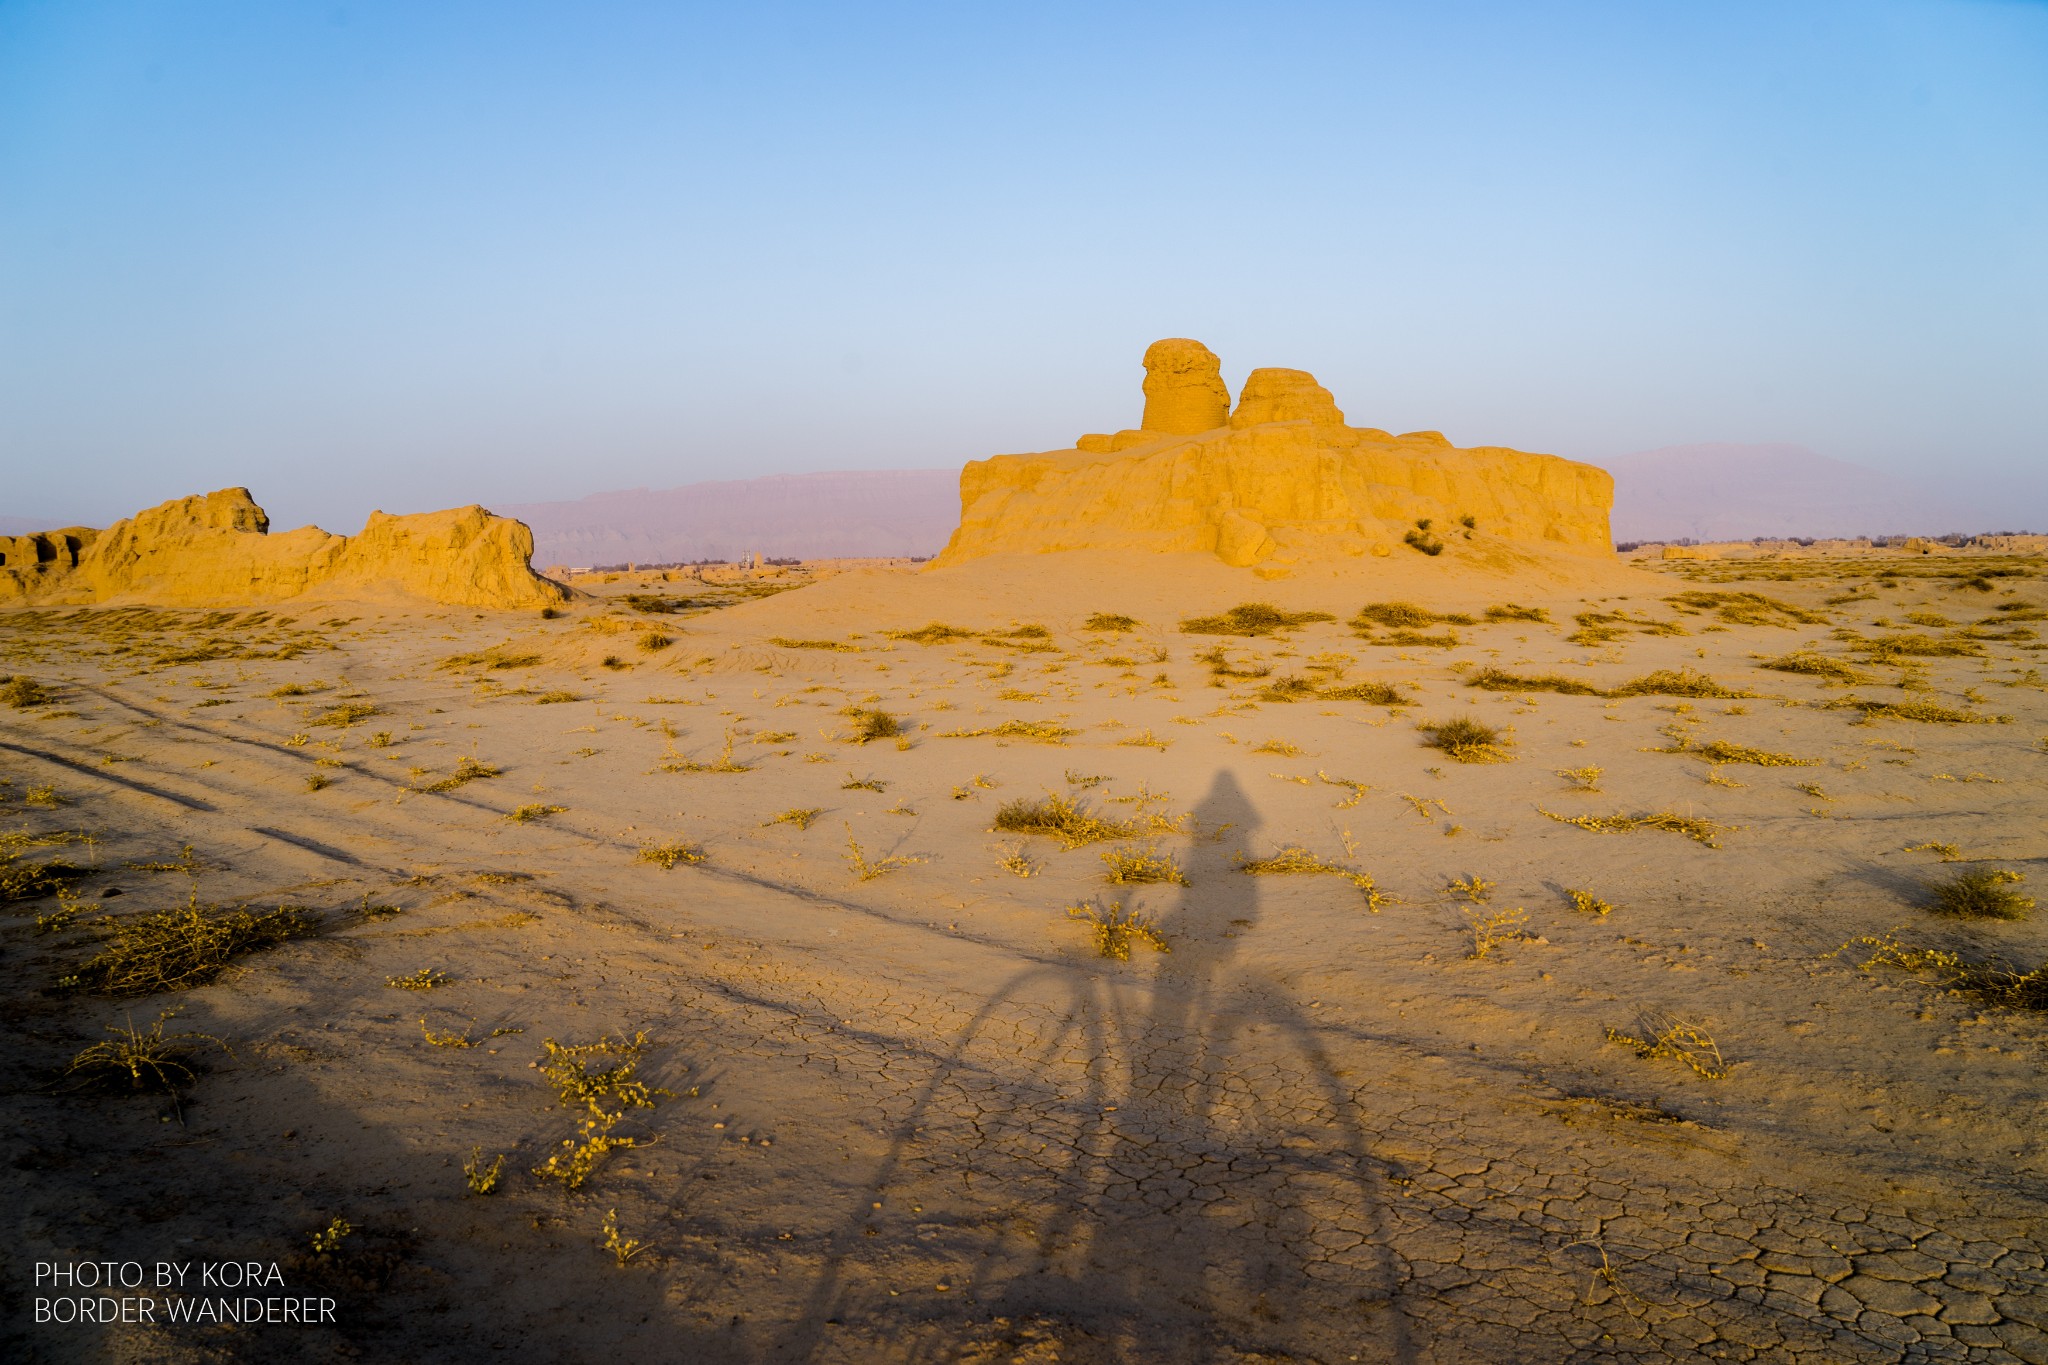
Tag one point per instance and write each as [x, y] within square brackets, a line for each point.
[361, 255]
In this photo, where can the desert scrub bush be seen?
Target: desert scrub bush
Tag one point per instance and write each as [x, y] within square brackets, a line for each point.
[937, 633]
[1692, 827]
[867, 869]
[837, 646]
[1499, 680]
[482, 1179]
[800, 816]
[1676, 682]
[470, 769]
[1508, 611]
[1110, 621]
[1493, 929]
[1114, 929]
[653, 642]
[667, 854]
[1466, 740]
[1378, 693]
[146, 1059]
[531, 811]
[1585, 779]
[318, 782]
[345, 714]
[555, 698]
[578, 1076]
[425, 979]
[1414, 639]
[1251, 619]
[1815, 665]
[1674, 1038]
[622, 1247]
[175, 950]
[1135, 867]
[1981, 893]
[1017, 862]
[1926, 712]
[1993, 983]
[1420, 538]
[1293, 687]
[21, 880]
[673, 762]
[1292, 860]
[23, 692]
[1405, 616]
[1061, 817]
[870, 724]
[1040, 731]
[1586, 902]
[495, 657]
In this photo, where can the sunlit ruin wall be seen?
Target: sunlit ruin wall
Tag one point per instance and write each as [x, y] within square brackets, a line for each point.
[1279, 479]
[216, 549]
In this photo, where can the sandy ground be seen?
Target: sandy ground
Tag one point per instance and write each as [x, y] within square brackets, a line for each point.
[915, 1116]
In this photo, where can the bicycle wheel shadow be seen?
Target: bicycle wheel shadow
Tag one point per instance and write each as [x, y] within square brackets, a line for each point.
[1203, 1189]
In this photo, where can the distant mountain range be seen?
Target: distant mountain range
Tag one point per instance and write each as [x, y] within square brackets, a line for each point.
[795, 516]
[1735, 492]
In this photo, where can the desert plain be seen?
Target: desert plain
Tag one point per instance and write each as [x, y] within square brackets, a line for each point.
[1120, 954]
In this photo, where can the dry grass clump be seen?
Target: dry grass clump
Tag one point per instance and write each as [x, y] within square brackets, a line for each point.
[1510, 612]
[175, 950]
[1251, 619]
[1887, 647]
[1061, 817]
[1292, 860]
[870, 724]
[868, 869]
[937, 633]
[1748, 608]
[345, 714]
[668, 853]
[1114, 929]
[1926, 712]
[653, 642]
[1466, 740]
[1378, 693]
[555, 698]
[147, 1059]
[1676, 1039]
[1982, 893]
[1220, 666]
[23, 692]
[1133, 867]
[1692, 827]
[1110, 621]
[1722, 751]
[1405, 616]
[27, 881]
[1676, 682]
[800, 816]
[1281, 747]
[1499, 680]
[1586, 779]
[839, 646]
[425, 979]
[673, 762]
[1815, 665]
[497, 656]
[531, 811]
[1042, 731]
[470, 769]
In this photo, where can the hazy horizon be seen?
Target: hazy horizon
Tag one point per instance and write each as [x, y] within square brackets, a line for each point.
[387, 256]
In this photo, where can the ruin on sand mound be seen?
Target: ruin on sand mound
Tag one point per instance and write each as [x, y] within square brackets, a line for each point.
[1279, 480]
[216, 550]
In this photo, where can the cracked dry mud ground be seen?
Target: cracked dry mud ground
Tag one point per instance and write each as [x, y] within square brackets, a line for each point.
[916, 1118]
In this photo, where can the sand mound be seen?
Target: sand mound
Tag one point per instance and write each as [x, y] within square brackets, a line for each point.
[1278, 483]
[217, 549]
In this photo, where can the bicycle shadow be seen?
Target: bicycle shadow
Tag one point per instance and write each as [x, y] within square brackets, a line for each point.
[1203, 1189]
